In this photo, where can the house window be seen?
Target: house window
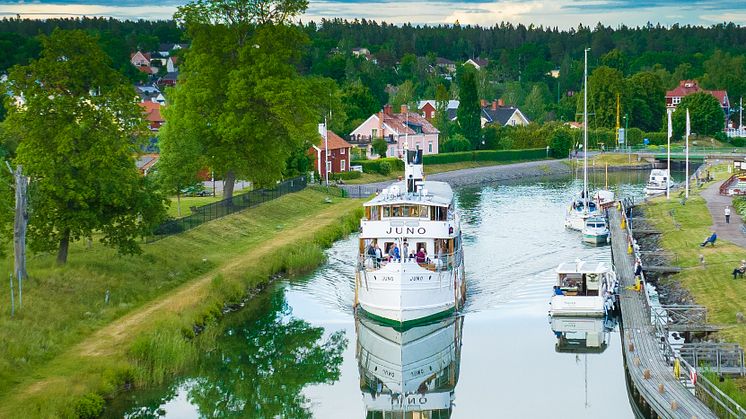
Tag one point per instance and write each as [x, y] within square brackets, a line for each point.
[374, 133]
[676, 100]
[430, 147]
[342, 166]
[342, 151]
[328, 166]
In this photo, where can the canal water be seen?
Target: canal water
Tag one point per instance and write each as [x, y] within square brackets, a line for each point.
[300, 352]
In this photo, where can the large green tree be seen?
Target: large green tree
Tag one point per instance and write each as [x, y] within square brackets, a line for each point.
[240, 94]
[604, 84]
[80, 129]
[706, 115]
[647, 101]
[442, 120]
[724, 71]
[469, 110]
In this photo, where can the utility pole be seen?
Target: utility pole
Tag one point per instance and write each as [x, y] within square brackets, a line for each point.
[19, 228]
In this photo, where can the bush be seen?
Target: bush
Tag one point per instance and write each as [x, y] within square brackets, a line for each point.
[384, 168]
[455, 144]
[374, 166]
[89, 406]
[738, 141]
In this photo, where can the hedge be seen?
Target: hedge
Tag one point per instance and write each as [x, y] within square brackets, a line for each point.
[486, 155]
[374, 166]
[354, 174]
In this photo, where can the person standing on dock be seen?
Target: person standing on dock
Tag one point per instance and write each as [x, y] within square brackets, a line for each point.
[727, 214]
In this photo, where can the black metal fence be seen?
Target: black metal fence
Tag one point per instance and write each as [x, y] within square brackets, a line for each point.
[359, 191]
[209, 212]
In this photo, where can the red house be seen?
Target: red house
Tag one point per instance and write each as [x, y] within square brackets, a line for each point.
[152, 113]
[339, 153]
[687, 87]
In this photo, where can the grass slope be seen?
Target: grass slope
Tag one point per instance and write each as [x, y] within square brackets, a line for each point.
[67, 345]
[429, 169]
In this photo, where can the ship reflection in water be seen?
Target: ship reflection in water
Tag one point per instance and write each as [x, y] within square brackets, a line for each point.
[408, 373]
[582, 335]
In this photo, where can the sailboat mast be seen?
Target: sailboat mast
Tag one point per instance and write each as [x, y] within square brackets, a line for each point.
[585, 129]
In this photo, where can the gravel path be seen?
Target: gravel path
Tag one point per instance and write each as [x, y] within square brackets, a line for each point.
[716, 204]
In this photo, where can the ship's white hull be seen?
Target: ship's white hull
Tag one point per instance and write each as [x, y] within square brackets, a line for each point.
[405, 292]
[579, 306]
[575, 220]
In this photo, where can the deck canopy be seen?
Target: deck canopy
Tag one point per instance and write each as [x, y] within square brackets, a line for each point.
[435, 193]
[582, 267]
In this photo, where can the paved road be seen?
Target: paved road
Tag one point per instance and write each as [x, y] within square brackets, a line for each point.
[716, 204]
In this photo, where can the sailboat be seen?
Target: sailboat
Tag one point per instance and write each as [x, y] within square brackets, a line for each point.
[583, 208]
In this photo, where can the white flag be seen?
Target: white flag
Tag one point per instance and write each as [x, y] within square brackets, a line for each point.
[688, 124]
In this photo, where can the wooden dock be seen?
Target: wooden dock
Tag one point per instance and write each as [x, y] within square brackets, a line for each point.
[650, 373]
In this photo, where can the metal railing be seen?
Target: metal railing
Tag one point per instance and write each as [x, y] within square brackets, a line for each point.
[704, 389]
[215, 210]
[438, 263]
[722, 358]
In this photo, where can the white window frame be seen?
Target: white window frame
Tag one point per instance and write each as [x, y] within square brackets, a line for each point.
[342, 151]
[342, 165]
[430, 147]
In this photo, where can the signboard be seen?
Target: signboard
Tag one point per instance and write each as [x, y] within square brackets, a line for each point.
[621, 135]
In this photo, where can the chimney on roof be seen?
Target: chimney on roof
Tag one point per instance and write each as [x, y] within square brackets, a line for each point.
[500, 102]
[404, 109]
[482, 103]
[387, 109]
[494, 105]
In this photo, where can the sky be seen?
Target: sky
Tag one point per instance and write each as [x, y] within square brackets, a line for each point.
[560, 13]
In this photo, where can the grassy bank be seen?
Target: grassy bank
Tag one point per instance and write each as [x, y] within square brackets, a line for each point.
[683, 228]
[599, 161]
[67, 347]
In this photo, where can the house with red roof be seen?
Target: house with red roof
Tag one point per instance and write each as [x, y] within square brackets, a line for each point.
[396, 129]
[687, 87]
[152, 113]
[339, 153]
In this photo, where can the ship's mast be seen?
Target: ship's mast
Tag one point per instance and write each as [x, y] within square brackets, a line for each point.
[585, 131]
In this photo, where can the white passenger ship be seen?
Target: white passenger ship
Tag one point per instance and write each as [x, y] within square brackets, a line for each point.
[427, 281]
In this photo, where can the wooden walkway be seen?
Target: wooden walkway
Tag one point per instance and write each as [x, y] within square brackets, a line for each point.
[649, 372]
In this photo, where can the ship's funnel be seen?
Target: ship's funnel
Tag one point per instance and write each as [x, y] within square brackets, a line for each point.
[413, 170]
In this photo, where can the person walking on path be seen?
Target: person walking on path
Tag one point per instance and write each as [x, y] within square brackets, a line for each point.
[727, 214]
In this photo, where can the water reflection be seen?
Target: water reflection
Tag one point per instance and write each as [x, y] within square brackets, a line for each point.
[408, 373]
[582, 335]
[258, 366]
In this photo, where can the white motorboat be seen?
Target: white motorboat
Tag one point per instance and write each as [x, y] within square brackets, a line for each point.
[658, 182]
[583, 208]
[427, 279]
[596, 230]
[410, 370]
[584, 289]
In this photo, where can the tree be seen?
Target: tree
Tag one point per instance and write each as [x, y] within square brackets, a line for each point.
[380, 147]
[455, 143]
[404, 94]
[359, 104]
[706, 115]
[469, 110]
[79, 129]
[647, 101]
[724, 71]
[250, 109]
[604, 84]
[535, 105]
[442, 120]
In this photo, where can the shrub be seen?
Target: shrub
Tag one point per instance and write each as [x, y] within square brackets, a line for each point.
[485, 155]
[373, 166]
[89, 406]
[380, 147]
[455, 144]
[738, 141]
[384, 168]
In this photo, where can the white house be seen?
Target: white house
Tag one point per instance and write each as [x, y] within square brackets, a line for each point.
[499, 114]
[396, 129]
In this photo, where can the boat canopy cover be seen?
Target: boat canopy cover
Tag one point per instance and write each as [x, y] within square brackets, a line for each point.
[438, 194]
[582, 267]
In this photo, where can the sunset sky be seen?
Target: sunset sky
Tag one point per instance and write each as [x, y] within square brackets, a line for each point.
[560, 13]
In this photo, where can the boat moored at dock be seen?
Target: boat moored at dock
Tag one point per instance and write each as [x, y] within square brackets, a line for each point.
[596, 231]
[658, 182]
[584, 289]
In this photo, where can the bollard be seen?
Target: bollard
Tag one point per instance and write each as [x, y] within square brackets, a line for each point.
[631, 347]
[646, 374]
[661, 389]
[674, 405]
[676, 368]
[636, 361]
[624, 225]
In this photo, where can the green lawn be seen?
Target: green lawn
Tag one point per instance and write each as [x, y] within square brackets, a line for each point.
[67, 341]
[189, 201]
[711, 284]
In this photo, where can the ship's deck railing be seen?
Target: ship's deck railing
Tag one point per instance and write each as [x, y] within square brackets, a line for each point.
[437, 263]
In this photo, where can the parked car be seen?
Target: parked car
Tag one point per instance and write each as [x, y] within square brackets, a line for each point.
[197, 189]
